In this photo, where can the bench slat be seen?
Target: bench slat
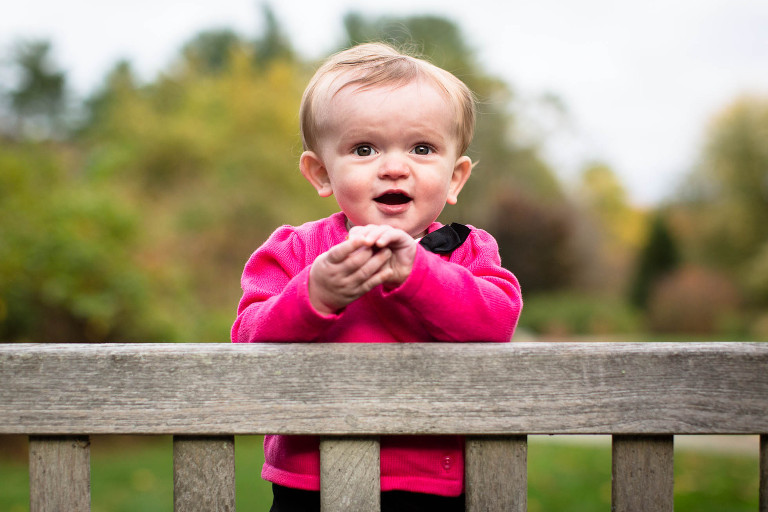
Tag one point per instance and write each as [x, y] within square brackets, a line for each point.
[643, 473]
[59, 473]
[204, 474]
[497, 474]
[349, 475]
[378, 389]
[764, 473]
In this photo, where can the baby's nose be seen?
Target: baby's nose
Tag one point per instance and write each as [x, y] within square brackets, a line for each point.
[394, 166]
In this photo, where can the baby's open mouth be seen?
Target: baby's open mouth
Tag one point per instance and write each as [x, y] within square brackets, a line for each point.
[393, 198]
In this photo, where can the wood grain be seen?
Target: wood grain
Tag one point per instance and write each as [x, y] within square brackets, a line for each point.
[59, 474]
[349, 475]
[203, 474]
[497, 474]
[370, 389]
[643, 474]
[764, 473]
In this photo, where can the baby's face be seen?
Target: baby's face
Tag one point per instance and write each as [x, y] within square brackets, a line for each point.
[391, 155]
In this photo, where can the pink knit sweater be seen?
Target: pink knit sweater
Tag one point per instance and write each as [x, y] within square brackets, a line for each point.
[466, 296]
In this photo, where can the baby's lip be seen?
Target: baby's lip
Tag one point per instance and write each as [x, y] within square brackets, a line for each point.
[393, 197]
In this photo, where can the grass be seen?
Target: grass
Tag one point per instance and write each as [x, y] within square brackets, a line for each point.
[136, 474]
[567, 477]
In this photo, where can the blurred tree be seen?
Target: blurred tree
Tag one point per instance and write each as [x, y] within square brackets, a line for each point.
[694, 300]
[722, 215]
[728, 192]
[39, 98]
[657, 259]
[211, 161]
[209, 51]
[535, 242]
[273, 44]
[66, 268]
[605, 198]
[609, 228]
[120, 81]
[437, 38]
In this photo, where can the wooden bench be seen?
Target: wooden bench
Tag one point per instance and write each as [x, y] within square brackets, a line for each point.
[640, 393]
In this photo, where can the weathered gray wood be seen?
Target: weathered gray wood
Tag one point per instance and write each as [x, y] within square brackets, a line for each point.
[349, 475]
[369, 389]
[203, 474]
[497, 474]
[764, 473]
[643, 474]
[59, 474]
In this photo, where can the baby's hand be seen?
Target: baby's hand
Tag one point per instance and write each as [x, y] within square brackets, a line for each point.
[401, 245]
[345, 273]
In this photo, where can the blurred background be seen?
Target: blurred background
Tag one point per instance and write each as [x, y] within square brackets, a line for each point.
[146, 149]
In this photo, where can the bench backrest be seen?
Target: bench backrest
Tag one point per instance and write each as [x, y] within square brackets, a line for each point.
[640, 393]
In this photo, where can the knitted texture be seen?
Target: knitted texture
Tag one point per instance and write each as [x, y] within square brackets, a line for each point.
[462, 297]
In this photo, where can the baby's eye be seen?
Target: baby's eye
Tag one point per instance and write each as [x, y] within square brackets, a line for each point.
[422, 149]
[363, 150]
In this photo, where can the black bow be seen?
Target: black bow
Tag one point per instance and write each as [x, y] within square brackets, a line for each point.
[445, 239]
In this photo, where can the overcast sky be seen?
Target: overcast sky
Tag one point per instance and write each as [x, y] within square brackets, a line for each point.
[639, 79]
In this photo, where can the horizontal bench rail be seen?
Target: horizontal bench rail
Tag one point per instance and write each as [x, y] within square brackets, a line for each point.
[372, 389]
[495, 394]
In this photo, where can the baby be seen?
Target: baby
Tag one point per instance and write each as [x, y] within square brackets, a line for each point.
[385, 134]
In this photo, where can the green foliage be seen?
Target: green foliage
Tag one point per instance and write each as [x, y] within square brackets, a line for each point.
[728, 193]
[209, 51]
[211, 160]
[66, 268]
[573, 314]
[38, 100]
[659, 257]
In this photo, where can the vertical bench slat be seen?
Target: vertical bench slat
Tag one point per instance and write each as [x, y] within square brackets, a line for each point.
[764, 473]
[497, 473]
[59, 473]
[203, 473]
[643, 473]
[350, 475]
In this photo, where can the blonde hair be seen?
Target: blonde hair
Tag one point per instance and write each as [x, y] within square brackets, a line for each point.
[377, 64]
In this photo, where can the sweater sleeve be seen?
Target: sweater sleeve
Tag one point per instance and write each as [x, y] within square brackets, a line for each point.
[275, 305]
[469, 297]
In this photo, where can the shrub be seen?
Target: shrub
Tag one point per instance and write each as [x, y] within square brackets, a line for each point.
[693, 300]
[570, 314]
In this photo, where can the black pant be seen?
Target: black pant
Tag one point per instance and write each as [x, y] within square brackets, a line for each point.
[296, 500]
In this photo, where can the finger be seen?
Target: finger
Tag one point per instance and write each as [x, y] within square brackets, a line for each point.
[368, 233]
[379, 277]
[393, 237]
[341, 252]
[375, 263]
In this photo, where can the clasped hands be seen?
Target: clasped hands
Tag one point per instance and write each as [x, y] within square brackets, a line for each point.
[372, 255]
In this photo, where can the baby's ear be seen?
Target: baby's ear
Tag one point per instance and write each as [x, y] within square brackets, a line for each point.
[314, 170]
[461, 172]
